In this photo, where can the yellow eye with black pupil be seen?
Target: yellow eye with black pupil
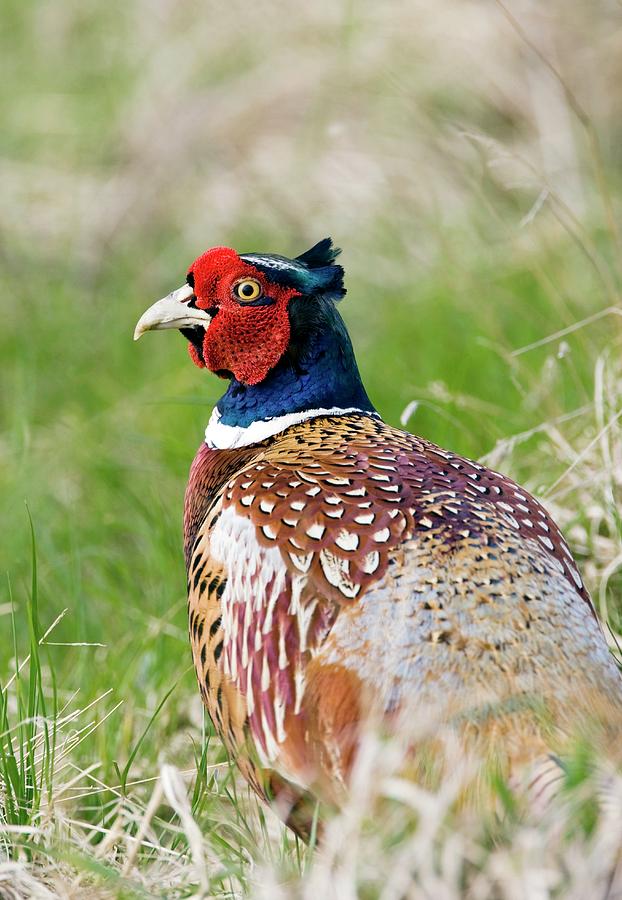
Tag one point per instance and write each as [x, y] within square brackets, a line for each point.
[247, 290]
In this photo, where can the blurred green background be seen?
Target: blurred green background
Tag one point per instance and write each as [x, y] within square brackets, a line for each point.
[467, 159]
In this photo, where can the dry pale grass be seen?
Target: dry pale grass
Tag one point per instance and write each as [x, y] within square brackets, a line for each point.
[396, 838]
[260, 120]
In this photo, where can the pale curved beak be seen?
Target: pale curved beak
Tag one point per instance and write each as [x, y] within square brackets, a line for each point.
[172, 312]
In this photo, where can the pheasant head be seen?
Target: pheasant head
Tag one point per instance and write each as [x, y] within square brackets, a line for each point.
[268, 324]
[240, 312]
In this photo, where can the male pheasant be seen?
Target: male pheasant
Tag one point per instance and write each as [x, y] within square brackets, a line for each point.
[337, 565]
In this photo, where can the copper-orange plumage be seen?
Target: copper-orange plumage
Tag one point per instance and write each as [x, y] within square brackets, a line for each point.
[337, 565]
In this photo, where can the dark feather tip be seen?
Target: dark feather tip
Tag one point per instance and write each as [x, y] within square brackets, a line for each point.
[321, 254]
[325, 277]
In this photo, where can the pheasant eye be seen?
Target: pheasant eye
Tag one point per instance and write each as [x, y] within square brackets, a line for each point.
[247, 289]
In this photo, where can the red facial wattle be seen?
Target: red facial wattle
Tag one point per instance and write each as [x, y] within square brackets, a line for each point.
[246, 339]
[247, 342]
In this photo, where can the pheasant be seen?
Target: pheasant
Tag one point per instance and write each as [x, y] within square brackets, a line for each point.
[337, 565]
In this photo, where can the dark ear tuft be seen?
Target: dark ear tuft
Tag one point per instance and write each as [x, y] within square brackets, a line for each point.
[328, 282]
[325, 277]
[321, 254]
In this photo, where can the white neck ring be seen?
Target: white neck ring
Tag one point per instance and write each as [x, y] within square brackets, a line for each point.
[228, 437]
